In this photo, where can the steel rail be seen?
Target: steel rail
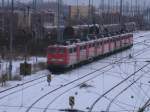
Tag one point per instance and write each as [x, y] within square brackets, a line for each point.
[114, 87]
[125, 89]
[56, 89]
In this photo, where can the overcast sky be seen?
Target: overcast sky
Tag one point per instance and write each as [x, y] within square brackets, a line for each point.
[97, 2]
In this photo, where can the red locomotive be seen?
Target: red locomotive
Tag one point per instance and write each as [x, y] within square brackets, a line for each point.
[68, 55]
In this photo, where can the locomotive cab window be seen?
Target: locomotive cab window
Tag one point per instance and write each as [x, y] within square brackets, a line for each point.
[52, 50]
[61, 50]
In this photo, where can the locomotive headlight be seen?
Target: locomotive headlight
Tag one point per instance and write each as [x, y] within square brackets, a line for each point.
[60, 60]
[54, 60]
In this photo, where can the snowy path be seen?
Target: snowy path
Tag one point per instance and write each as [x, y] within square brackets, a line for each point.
[99, 82]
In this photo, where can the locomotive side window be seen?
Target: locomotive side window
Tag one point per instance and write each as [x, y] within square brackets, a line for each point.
[74, 49]
[70, 50]
[82, 47]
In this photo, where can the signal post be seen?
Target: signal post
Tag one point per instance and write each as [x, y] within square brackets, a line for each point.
[71, 101]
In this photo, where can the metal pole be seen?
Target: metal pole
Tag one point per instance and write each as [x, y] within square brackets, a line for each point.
[11, 39]
[131, 8]
[120, 17]
[3, 28]
[78, 12]
[34, 4]
[109, 13]
[117, 10]
[149, 14]
[103, 11]
[58, 21]
[7, 4]
[3, 19]
[89, 12]
[92, 13]
[2, 4]
[89, 15]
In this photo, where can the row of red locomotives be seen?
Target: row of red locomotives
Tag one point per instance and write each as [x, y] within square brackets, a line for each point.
[64, 56]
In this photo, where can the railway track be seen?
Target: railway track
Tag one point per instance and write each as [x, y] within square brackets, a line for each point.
[77, 85]
[114, 87]
[140, 51]
[69, 84]
[125, 89]
[45, 110]
[29, 82]
[18, 85]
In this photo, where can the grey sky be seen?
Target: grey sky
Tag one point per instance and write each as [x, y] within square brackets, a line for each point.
[115, 2]
[97, 2]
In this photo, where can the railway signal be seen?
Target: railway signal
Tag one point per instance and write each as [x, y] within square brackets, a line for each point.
[71, 101]
[49, 78]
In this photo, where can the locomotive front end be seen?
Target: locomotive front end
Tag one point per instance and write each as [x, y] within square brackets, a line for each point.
[56, 57]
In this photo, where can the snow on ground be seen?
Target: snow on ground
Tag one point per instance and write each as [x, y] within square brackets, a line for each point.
[16, 64]
[21, 98]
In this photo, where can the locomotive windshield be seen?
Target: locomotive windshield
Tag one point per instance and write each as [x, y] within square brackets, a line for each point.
[56, 50]
[51, 50]
[61, 50]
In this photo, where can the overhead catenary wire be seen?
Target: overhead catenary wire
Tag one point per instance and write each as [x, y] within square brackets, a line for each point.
[141, 88]
[67, 85]
[97, 100]
[38, 100]
[74, 88]
[134, 82]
